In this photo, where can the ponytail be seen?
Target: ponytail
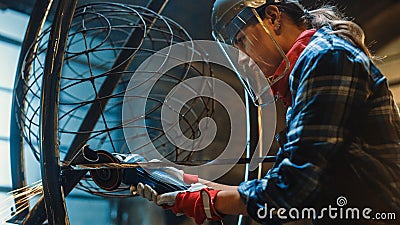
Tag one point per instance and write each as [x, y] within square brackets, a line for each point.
[348, 30]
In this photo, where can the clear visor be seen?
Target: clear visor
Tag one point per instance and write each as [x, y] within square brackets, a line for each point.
[238, 23]
[261, 60]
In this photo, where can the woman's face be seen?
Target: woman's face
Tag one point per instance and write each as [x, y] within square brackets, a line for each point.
[256, 43]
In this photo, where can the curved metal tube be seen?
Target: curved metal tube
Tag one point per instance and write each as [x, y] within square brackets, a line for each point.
[50, 168]
[28, 49]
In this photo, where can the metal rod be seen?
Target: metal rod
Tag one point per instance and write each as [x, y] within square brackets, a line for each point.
[248, 147]
[260, 139]
[160, 164]
[49, 157]
[28, 49]
[10, 40]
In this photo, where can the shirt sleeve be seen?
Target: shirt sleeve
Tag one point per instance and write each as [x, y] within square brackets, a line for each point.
[329, 89]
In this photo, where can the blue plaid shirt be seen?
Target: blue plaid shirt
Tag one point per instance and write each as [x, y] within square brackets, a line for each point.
[343, 135]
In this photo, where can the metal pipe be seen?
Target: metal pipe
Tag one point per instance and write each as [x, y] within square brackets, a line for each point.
[248, 138]
[49, 155]
[28, 49]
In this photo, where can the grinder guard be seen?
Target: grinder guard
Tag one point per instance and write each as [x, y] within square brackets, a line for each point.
[111, 179]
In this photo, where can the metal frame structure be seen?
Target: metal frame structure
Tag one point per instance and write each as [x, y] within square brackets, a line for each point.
[56, 184]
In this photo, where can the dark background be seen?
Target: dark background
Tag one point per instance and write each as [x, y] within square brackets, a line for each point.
[378, 18]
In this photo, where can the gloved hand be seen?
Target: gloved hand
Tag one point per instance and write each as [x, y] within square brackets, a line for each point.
[196, 202]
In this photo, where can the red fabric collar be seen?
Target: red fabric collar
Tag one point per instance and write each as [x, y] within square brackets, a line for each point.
[281, 87]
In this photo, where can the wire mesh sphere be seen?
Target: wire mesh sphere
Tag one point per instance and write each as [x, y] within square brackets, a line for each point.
[106, 44]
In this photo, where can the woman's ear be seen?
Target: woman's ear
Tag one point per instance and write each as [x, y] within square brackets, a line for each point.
[273, 16]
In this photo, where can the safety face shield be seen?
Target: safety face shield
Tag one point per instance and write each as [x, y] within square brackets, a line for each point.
[256, 85]
[260, 55]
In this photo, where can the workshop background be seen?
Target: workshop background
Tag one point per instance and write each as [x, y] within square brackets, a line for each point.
[379, 19]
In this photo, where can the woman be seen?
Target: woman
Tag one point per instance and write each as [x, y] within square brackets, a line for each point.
[343, 127]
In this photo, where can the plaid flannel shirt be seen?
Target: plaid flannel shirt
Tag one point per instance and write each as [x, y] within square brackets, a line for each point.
[343, 135]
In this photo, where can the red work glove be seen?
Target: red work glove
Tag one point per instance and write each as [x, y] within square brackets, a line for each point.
[197, 202]
[199, 205]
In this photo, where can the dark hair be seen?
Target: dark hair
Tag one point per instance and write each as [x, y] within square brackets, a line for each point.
[326, 16]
